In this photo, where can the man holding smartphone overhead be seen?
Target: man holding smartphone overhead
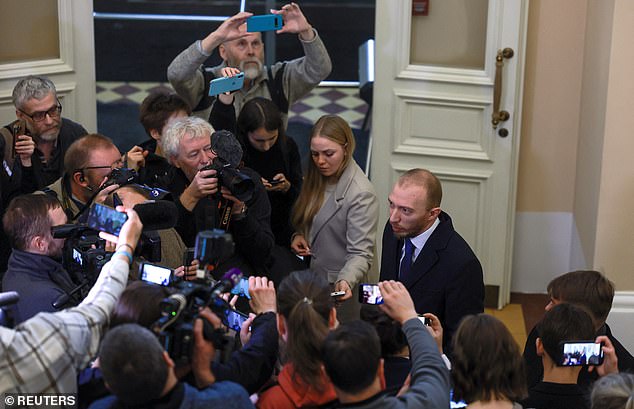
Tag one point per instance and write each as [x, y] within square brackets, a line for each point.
[283, 83]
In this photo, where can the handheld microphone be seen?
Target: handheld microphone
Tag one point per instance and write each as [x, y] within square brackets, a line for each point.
[157, 215]
[227, 282]
[9, 298]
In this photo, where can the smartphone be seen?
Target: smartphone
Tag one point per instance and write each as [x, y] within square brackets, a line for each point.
[235, 319]
[104, 218]
[424, 320]
[242, 288]
[266, 22]
[226, 84]
[188, 256]
[153, 273]
[579, 353]
[274, 182]
[370, 294]
[18, 128]
[337, 293]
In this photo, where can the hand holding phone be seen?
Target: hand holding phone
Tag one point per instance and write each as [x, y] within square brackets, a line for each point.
[234, 319]
[266, 22]
[106, 219]
[226, 84]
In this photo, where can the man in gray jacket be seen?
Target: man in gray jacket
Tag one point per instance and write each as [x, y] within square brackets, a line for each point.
[283, 83]
[352, 359]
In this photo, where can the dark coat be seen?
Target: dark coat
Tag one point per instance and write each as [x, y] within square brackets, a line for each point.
[446, 278]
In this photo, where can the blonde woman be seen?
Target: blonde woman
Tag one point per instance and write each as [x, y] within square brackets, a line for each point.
[336, 213]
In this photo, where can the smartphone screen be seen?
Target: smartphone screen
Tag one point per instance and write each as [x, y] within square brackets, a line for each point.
[242, 288]
[104, 218]
[153, 273]
[370, 294]
[579, 353]
[235, 319]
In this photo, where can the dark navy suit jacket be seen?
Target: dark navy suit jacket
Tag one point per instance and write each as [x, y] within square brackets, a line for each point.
[446, 278]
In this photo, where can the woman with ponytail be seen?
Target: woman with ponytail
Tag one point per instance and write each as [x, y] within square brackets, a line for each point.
[305, 315]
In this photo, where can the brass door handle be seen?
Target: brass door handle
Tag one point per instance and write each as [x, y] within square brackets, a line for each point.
[499, 116]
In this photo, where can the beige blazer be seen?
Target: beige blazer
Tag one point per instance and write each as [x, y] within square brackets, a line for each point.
[343, 233]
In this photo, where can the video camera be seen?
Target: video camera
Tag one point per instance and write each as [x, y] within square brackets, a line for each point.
[239, 184]
[84, 253]
[180, 310]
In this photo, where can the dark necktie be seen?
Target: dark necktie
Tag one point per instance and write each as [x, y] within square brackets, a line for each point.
[406, 263]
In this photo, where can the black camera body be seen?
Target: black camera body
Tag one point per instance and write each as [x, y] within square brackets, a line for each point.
[121, 177]
[180, 310]
[239, 184]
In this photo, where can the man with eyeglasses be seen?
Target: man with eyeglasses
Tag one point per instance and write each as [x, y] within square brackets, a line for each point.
[40, 134]
[33, 146]
[87, 162]
[283, 82]
[190, 145]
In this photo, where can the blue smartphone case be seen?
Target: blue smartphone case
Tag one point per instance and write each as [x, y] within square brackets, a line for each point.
[266, 22]
[225, 84]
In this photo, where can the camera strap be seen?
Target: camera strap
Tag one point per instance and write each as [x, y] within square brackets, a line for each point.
[225, 207]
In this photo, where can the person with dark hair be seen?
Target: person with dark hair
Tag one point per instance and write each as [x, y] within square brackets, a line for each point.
[594, 292]
[394, 346]
[157, 111]
[305, 314]
[487, 367]
[558, 388]
[275, 156]
[140, 303]
[283, 82]
[140, 373]
[352, 359]
[336, 213]
[35, 270]
[614, 391]
[44, 353]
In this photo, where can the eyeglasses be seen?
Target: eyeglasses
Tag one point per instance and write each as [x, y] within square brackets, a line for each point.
[115, 165]
[39, 116]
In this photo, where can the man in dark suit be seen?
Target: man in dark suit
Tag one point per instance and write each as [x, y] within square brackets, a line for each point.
[422, 250]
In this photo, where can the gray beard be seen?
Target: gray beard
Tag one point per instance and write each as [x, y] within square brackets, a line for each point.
[251, 72]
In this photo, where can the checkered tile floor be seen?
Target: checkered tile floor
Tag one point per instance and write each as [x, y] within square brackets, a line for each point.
[344, 102]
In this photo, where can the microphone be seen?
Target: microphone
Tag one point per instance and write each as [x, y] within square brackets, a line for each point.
[227, 282]
[157, 215]
[9, 298]
[227, 147]
[63, 299]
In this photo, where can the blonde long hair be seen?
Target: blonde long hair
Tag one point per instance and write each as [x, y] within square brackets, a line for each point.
[311, 196]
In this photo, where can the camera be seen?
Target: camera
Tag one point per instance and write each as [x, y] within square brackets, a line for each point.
[180, 310]
[84, 253]
[121, 177]
[239, 184]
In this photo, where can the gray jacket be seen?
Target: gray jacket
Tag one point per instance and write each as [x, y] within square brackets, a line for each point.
[430, 378]
[301, 75]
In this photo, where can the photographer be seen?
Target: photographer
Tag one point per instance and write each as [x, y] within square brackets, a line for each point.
[44, 353]
[35, 270]
[201, 199]
[352, 359]
[87, 163]
[140, 373]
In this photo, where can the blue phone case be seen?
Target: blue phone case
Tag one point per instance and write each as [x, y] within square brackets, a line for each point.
[266, 22]
[226, 84]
